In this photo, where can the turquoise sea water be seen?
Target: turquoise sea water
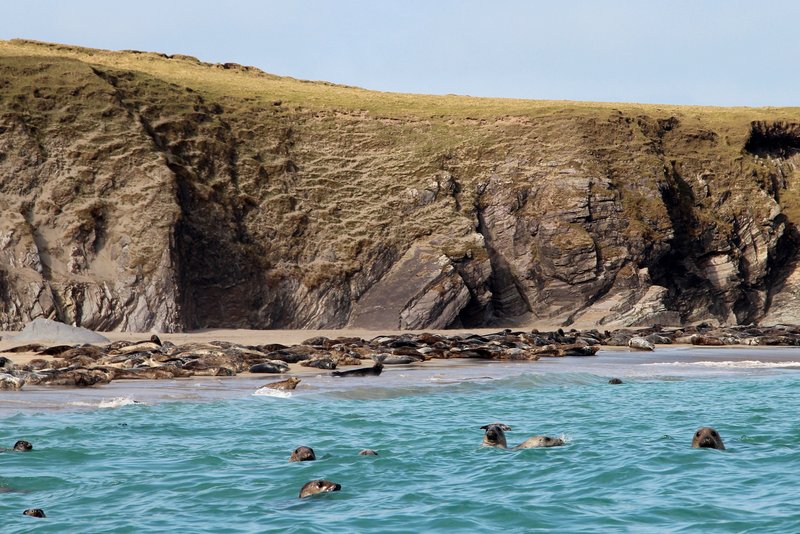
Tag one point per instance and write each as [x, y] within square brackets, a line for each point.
[210, 456]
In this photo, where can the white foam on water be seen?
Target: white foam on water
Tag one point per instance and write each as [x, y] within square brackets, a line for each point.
[268, 392]
[116, 402]
[729, 364]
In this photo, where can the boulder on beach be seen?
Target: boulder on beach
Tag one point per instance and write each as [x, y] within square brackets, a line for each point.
[46, 330]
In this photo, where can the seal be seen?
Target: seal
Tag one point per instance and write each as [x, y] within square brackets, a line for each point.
[367, 452]
[495, 436]
[615, 381]
[289, 383]
[34, 512]
[302, 454]
[23, 445]
[707, 437]
[270, 366]
[318, 486]
[375, 370]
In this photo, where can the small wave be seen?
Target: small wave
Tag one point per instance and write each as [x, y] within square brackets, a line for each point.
[116, 402]
[729, 364]
[440, 379]
[268, 392]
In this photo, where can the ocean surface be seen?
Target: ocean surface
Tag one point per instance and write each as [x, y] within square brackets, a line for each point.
[210, 455]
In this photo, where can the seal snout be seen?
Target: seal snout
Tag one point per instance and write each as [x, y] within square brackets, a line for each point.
[319, 486]
[707, 438]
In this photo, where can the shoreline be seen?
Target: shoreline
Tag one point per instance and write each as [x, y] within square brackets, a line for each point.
[295, 338]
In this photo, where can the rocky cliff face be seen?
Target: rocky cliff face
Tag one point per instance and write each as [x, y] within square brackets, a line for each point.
[144, 192]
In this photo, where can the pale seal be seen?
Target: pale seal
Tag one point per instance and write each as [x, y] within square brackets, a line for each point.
[495, 436]
[707, 437]
[302, 454]
[367, 452]
[289, 383]
[319, 486]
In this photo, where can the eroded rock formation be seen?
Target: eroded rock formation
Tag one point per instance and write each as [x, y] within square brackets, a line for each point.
[140, 192]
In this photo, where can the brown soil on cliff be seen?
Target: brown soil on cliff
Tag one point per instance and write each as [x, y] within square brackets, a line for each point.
[141, 191]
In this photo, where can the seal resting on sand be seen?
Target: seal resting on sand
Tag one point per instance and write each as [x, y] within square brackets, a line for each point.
[495, 436]
[34, 512]
[319, 486]
[707, 437]
[363, 371]
[289, 383]
[302, 454]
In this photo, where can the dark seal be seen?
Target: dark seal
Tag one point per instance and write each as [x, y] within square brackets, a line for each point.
[707, 438]
[34, 512]
[615, 381]
[318, 486]
[375, 370]
[495, 436]
[302, 454]
[19, 446]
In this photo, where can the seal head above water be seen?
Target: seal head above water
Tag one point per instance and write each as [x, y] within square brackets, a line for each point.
[34, 512]
[707, 437]
[495, 436]
[302, 454]
[318, 486]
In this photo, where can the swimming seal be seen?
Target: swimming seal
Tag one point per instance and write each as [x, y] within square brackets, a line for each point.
[19, 446]
[495, 437]
[367, 452]
[615, 381]
[707, 437]
[289, 383]
[319, 486]
[375, 370]
[34, 512]
[302, 454]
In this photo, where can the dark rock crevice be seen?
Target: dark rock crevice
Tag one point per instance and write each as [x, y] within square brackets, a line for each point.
[676, 269]
[509, 299]
[776, 139]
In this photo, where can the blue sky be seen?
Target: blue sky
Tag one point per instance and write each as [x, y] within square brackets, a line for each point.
[680, 52]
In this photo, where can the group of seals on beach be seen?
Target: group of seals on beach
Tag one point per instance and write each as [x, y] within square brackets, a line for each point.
[89, 365]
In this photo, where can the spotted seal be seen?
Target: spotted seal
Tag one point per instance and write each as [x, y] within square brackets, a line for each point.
[302, 454]
[707, 437]
[318, 486]
[495, 436]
